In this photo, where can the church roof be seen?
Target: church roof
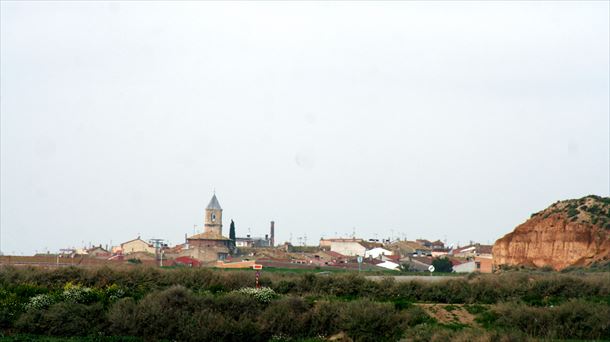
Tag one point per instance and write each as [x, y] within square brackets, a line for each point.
[209, 235]
[214, 203]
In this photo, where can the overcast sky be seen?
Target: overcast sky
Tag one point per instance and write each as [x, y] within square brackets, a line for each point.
[438, 120]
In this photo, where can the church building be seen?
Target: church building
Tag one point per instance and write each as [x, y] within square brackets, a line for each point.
[210, 245]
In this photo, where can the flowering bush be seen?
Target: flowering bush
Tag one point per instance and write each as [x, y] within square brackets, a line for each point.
[77, 294]
[263, 294]
[114, 292]
[41, 301]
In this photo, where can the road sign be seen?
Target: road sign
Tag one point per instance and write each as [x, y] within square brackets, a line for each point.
[431, 268]
[257, 267]
[359, 259]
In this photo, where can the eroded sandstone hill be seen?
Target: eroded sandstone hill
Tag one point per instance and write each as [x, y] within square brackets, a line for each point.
[568, 233]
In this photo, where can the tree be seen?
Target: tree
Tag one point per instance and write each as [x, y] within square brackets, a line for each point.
[232, 231]
[442, 265]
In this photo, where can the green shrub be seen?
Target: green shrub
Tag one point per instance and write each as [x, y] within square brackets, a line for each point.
[371, 321]
[262, 295]
[573, 212]
[573, 320]
[63, 319]
[286, 317]
[326, 318]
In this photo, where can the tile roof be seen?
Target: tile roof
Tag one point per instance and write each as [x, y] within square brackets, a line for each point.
[209, 235]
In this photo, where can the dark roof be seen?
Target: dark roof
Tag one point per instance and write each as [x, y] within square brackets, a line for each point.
[214, 203]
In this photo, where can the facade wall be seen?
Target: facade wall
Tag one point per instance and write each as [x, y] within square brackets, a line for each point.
[208, 254]
[467, 267]
[485, 265]
[347, 248]
[213, 220]
[137, 246]
[377, 252]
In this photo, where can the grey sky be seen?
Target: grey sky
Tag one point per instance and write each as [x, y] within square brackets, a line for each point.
[441, 120]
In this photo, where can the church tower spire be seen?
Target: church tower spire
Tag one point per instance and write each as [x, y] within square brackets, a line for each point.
[213, 216]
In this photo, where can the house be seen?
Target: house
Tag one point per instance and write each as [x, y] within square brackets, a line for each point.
[464, 267]
[436, 245]
[98, 252]
[377, 252]
[326, 243]
[483, 264]
[389, 265]
[348, 248]
[244, 242]
[405, 248]
[416, 263]
[249, 241]
[333, 258]
[473, 250]
[137, 245]
[440, 252]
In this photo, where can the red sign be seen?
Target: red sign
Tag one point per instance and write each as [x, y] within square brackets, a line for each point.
[257, 267]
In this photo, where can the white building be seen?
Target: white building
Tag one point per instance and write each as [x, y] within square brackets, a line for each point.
[377, 252]
[466, 267]
[389, 265]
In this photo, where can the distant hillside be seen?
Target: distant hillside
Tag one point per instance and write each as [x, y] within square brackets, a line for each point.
[573, 232]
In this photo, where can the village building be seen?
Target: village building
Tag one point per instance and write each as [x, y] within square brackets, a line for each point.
[410, 248]
[210, 245]
[257, 242]
[98, 252]
[250, 242]
[325, 243]
[377, 252]
[348, 247]
[440, 252]
[473, 250]
[137, 245]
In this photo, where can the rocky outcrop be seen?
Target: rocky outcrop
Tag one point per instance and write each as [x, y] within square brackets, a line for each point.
[568, 233]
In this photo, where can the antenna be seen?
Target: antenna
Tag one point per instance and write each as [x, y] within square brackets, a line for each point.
[158, 244]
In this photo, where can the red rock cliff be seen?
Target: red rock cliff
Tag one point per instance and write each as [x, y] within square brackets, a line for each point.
[568, 233]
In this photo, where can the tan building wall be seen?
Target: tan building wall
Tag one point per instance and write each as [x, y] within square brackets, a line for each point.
[347, 248]
[137, 245]
[484, 264]
[213, 220]
[207, 254]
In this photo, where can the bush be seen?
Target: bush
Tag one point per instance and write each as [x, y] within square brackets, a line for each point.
[370, 321]
[262, 295]
[286, 317]
[63, 319]
[573, 320]
[442, 265]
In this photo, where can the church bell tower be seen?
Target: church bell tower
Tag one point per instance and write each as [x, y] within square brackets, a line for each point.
[213, 217]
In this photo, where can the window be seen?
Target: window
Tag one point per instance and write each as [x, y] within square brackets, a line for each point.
[478, 264]
[213, 217]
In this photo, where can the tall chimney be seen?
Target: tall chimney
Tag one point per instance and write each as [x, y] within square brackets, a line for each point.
[272, 234]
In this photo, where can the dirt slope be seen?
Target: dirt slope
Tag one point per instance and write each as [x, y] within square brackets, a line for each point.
[568, 233]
